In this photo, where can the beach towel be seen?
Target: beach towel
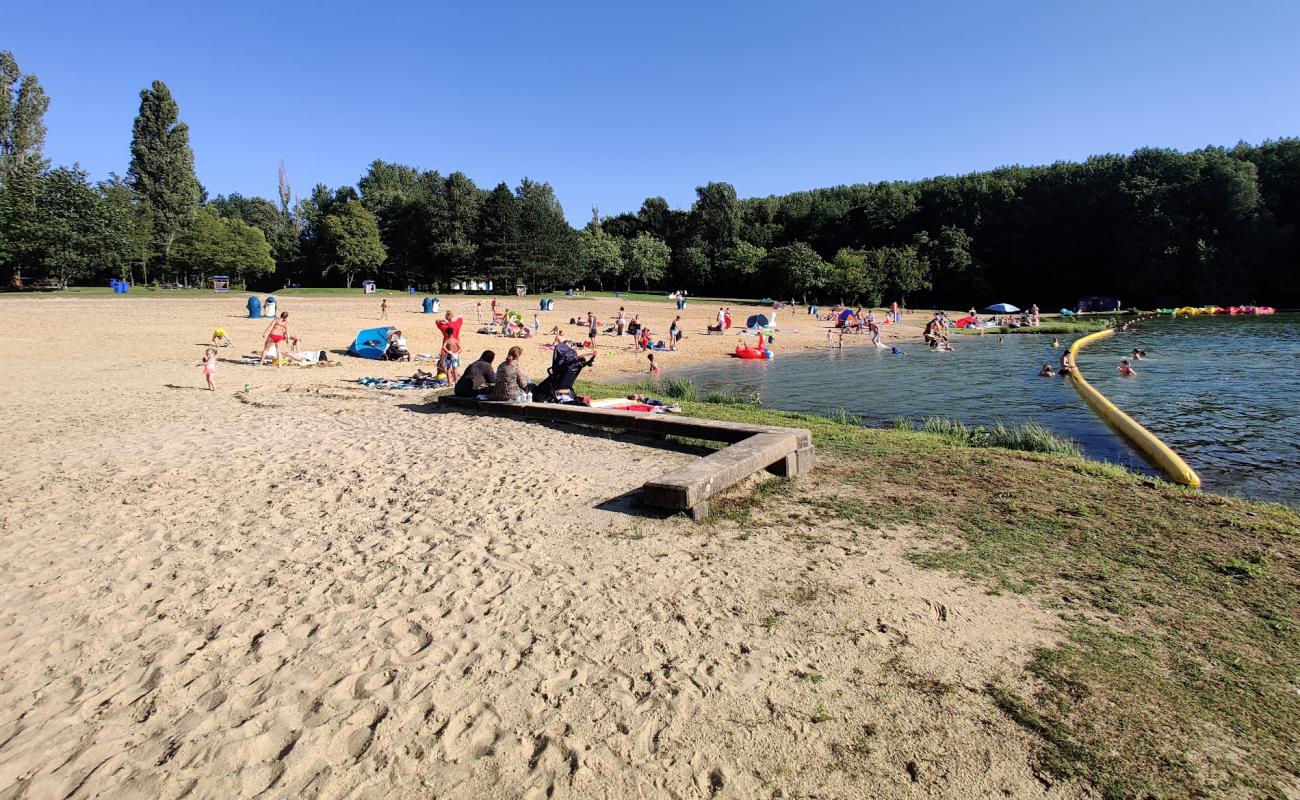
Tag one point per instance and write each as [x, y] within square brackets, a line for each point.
[404, 383]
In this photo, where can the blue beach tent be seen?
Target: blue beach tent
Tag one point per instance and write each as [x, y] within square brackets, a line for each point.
[370, 343]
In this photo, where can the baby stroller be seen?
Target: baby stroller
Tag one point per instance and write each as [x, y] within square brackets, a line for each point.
[566, 365]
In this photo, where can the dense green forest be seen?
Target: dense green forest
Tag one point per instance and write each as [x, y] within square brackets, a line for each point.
[1157, 227]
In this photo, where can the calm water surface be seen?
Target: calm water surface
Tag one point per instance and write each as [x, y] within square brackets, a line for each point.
[1221, 391]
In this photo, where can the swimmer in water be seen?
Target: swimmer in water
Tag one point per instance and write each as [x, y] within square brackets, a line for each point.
[1125, 369]
[1138, 355]
[1056, 344]
[1046, 372]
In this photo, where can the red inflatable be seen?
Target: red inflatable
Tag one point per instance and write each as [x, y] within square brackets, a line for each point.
[756, 353]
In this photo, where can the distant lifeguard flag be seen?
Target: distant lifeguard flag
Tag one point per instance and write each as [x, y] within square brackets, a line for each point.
[220, 283]
[368, 287]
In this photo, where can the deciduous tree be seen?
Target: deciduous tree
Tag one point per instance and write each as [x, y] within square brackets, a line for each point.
[352, 241]
[645, 258]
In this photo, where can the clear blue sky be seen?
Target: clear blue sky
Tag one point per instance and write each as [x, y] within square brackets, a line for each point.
[612, 102]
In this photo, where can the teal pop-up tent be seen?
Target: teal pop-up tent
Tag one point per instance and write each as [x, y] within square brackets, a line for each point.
[370, 343]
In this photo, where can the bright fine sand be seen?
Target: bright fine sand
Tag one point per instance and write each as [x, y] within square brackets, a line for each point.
[315, 589]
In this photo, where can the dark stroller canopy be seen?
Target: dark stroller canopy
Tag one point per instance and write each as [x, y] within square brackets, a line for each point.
[757, 321]
[566, 365]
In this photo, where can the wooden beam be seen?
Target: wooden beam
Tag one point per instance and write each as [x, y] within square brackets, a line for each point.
[783, 451]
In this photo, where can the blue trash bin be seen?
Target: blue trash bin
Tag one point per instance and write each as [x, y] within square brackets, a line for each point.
[123, 287]
[268, 306]
[410, 290]
[254, 307]
[428, 305]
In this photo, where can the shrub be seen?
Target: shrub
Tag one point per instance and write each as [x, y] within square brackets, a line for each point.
[678, 388]
[1027, 436]
[733, 399]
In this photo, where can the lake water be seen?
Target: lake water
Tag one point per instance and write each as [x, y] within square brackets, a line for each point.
[1221, 391]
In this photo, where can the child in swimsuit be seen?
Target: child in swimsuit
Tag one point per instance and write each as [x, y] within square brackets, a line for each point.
[209, 364]
[220, 339]
[451, 358]
[655, 370]
[1125, 369]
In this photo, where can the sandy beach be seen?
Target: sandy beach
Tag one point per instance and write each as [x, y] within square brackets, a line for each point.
[316, 589]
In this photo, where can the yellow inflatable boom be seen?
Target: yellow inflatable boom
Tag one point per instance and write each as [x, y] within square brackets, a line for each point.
[1146, 441]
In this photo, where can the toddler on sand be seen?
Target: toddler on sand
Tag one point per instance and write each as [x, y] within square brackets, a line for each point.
[209, 365]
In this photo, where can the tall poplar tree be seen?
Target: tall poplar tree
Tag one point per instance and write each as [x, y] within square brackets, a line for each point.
[162, 168]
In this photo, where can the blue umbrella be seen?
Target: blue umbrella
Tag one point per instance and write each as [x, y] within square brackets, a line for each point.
[1002, 308]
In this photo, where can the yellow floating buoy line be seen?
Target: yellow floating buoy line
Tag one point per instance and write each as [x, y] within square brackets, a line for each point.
[1170, 462]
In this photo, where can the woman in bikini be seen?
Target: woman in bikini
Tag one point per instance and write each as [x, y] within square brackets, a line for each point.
[277, 333]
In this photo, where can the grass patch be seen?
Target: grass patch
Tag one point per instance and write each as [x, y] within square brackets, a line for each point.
[1180, 675]
[1055, 328]
[677, 388]
[732, 398]
[1027, 436]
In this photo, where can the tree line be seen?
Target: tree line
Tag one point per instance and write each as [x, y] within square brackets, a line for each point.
[1157, 227]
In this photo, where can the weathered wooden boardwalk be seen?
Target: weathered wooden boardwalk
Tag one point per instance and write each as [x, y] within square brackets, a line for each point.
[783, 451]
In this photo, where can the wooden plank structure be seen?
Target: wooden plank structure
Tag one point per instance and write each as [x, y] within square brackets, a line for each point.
[783, 451]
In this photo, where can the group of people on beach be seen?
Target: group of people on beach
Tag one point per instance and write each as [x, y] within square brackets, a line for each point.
[506, 382]
[935, 334]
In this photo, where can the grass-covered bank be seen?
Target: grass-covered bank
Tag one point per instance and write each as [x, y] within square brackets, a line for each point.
[1181, 672]
[1055, 327]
